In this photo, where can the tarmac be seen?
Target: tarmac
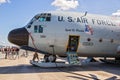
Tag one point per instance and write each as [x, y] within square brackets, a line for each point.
[21, 69]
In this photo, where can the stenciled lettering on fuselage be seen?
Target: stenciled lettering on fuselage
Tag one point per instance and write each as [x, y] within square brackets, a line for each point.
[73, 30]
[85, 20]
[87, 43]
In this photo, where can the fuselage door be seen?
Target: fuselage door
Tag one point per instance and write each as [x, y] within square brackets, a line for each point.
[73, 43]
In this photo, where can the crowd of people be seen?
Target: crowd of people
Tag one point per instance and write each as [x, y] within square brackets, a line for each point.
[10, 52]
[13, 53]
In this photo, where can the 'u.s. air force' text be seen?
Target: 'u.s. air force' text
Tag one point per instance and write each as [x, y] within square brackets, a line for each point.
[85, 20]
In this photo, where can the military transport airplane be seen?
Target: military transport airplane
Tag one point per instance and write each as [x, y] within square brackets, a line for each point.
[59, 33]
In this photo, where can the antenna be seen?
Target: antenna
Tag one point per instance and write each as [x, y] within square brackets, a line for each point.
[85, 14]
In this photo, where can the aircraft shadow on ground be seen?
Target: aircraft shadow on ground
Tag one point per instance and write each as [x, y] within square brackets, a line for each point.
[93, 77]
[21, 69]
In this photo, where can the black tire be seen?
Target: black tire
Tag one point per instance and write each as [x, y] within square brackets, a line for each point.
[47, 58]
[54, 58]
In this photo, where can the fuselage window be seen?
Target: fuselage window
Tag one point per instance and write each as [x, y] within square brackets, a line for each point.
[88, 39]
[38, 29]
[112, 40]
[100, 40]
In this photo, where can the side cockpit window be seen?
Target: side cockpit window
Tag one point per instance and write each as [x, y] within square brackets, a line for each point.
[35, 29]
[38, 29]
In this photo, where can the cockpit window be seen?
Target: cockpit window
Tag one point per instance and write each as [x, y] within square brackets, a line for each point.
[38, 29]
[44, 17]
[29, 26]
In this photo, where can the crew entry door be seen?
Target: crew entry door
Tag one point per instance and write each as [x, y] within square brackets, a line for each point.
[72, 56]
[73, 43]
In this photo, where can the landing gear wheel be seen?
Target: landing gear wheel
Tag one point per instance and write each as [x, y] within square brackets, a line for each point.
[50, 58]
[46, 58]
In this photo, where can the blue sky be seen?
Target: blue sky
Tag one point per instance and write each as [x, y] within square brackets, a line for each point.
[17, 13]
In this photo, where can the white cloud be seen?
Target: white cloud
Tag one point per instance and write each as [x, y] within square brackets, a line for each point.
[65, 4]
[116, 13]
[4, 1]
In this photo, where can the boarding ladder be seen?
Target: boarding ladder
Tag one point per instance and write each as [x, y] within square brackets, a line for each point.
[73, 58]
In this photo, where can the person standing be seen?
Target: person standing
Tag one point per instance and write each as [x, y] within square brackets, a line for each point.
[35, 56]
[17, 52]
[5, 50]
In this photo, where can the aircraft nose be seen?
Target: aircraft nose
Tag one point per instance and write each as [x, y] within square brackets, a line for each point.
[19, 36]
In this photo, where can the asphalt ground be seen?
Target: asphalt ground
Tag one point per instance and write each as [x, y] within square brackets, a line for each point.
[21, 69]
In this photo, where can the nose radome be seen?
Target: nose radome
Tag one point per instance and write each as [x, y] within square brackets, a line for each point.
[19, 36]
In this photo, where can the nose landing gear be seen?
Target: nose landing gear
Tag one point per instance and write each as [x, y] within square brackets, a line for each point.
[49, 61]
[50, 58]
